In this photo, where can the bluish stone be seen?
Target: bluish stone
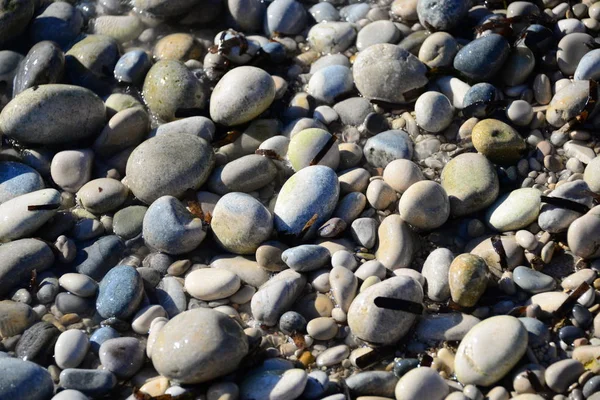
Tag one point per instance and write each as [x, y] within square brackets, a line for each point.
[96, 259]
[538, 332]
[306, 257]
[275, 51]
[482, 58]
[17, 179]
[60, 22]
[317, 380]
[324, 12]
[355, 12]
[45, 63]
[285, 16]
[171, 296]
[291, 322]
[591, 386]
[582, 317]
[382, 149]
[100, 336]
[9, 65]
[481, 93]
[588, 67]
[93, 382]
[568, 334]
[68, 303]
[533, 281]
[24, 380]
[401, 367]
[442, 15]
[311, 194]
[120, 292]
[132, 67]
[330, 82]
[48, 288]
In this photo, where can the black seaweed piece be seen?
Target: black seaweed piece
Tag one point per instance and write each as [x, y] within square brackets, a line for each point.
[499, 249]
[568, 304]
[566, 204]
[391, 303]
[324, 150]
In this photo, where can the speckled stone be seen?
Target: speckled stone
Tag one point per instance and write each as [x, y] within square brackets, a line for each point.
[388, 73]
[441, 15]
[17, 179]
[514, 210]
[24, 380]
[482, 58]
[30, 116]
[120, 293]
[92, 382]
[498, 141]
[388, 146]
[199, 345]
[122, 356]
[468, 279]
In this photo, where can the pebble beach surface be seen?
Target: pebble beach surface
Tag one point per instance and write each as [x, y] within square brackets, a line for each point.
[292, 199]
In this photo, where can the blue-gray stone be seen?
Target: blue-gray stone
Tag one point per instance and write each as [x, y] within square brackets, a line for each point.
[402, 366]
[355, 12]
[245, 15]
[555, 219]
[310, 194]
[68, 303]
[122, 356]
[197, 126]
[60, 22]
[330, 82]
[291, 322]
[24, 380]
[100, 336]
[317, 382]
[43, 64]
[324, 12]
[169, 227]
[93, 382]
[372, 383]
[171, 296]
[275, 51]
[120, 292]
[9, 65]
[128, 222]
[532, 281]
[285, 16]
[48, 288]
[354, 110]
[568, 334]
[484, 93]
[591, 386]
[96, 259]
[37, 343]
[588, 67]
[441, 15]
[518, 66]
[19, 259]
[306, 257]
[581, 316]
[159, 262]
[132, 67]
[538, 332]
[17, 179]
[385, 147]
[482, 58]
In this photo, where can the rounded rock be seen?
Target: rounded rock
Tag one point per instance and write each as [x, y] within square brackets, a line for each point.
[468, 279]
[434, 112]
[211, 284]
[498, 141]
[425, 205]
[419, 383]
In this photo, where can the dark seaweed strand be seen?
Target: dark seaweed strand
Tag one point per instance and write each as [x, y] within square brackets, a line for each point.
[54, 206]
[372, 357]
[568, 304]
[324, 150]
[566, 204]
[391, 303]
[499, 249]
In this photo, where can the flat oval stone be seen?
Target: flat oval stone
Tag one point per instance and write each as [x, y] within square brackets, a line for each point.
[568, 102]
[588, 67]
[20, 258]
[374, 383]
[24, 380]
[561, 374]
[533, 281]
[285, 16]
[582, 234]
[248, 173]
[18, 220]
[490, 350]
[128, 221]
[199, 345]
[97, 259]
[60, 22]
[306, 257]
[333, 355]
[17, 179]
[385, 147]
[331, 37]
[498, 141]
[322, 328]
[241, 95]
[241, 223]
[211, 283]
[133, 66]
[388, 73]
[482, 58]
[379, 325]
[441, 15]
[71, 348]
[120, 293]
[514, 210]
[43, 64]
[425, 205]
[102, 195]
[126, 128]
[435, 271]
[171, 89]
[436, 328]
[246, 268]
[556, 219]
[274, 384]
[381, 31]
[29, 116]
[276, 296]
[468, 279]
[168, 165]
[473, 194]
[571, 50]
[312, 191]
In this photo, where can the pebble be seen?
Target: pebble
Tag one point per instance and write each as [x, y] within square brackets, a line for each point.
[92, 382]
[434, 112]
[388, 146]
[533, 281]
[467, 279]
[498, 141]
[331, 37]
[70, 348]
[483, 57]
[444, 327]
[435, 271]
[421, 381]
[24, 380]
[211, 284]
[476, 366]
[561, 374]
[425, 205]
[17, 179]
[515, 210]
[438, 50]
[305, 258]
[285, 287]
[20, 258]
[307, 144]
[274, 384]
[378, 325]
